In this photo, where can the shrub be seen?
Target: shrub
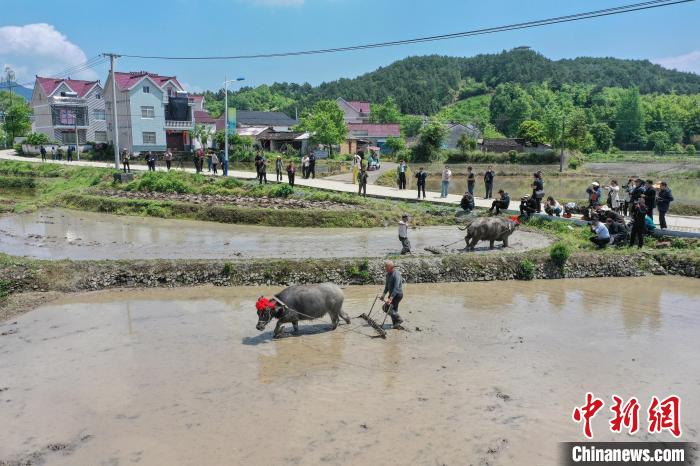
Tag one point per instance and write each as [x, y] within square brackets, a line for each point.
[690, 149]
[559, 254]
[160, 182]
[526, 270]
[228, 269]
[37, 139]
[153, 210]
[283, 190]
[678, 243]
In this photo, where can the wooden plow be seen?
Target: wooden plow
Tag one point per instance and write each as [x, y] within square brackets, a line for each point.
[372, 323]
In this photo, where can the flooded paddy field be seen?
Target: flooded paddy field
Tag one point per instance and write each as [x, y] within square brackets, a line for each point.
[66, 234]
[489, 373]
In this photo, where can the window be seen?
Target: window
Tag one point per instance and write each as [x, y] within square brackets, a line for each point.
[100, 136]
[98, 96]
[66, 116]
[170, 91]
[146, 89]
[99, 114]
[149, 138]
[147, 112]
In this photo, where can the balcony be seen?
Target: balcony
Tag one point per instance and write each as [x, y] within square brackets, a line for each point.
[58, 100]
[69, 116]
[174, 124]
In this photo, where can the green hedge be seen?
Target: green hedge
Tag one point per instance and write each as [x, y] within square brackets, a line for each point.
[526, 158]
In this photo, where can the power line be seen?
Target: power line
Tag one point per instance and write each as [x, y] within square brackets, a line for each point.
[525, 25]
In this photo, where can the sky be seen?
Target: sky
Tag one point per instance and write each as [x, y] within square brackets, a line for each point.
[48, 36]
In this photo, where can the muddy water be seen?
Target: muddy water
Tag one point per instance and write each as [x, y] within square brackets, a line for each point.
[66, 234]
[182, 376]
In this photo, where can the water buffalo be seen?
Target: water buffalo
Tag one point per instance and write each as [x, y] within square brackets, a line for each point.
[302, 302]
[489, 229]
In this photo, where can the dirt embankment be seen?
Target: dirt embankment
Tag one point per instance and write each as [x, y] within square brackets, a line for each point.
[70, 276]
[240, 201]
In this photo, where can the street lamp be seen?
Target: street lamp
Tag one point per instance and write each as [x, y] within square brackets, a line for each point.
[226, 82]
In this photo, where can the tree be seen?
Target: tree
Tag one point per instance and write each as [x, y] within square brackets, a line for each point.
[630, 132]
[326, 123]
[532, 131]
[202, 134]
[430, 142]
[388, 112]
[411, 125]
[463, 143]
[660, 142]
[603, 136]
[509, 107]
[576, 135]
[395, 144]
[17, 119]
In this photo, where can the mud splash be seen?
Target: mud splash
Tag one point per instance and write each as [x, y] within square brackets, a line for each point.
[488, 374]
[66, 234]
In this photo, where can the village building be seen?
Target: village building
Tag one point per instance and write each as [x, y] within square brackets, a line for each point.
[64, 107]
[153, 112]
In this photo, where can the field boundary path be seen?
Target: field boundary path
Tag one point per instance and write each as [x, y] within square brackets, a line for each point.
[675, 222]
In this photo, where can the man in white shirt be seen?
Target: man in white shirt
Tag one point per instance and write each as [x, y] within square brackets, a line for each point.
[602, 235]
[403, 235]
[356, 164]
[446, 178]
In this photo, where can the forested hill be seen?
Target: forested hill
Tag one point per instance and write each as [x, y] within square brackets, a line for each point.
[423, 85]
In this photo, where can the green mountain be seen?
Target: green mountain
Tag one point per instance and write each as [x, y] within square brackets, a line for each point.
[425, 84]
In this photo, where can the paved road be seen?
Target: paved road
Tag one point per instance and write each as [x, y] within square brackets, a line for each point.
[675, 222]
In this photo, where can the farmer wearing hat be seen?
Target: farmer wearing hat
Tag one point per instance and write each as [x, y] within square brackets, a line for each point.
[403, 235]
[594, 195]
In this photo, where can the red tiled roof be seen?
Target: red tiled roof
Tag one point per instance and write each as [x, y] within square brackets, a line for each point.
[130, 79]
[80, 87]
[362, 107]
[203, 117]
[376, 130]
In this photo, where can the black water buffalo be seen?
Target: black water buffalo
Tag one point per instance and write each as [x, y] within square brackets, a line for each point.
[302, 302]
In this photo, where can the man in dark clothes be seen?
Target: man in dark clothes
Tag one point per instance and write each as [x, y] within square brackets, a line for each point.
[502, 203]
[528, 206]
[488, 182]
[618, 232]
[362, 180]
[471, 180]
[467, 202]
[393, 285]
[312, 166]
[639, 212]
[663, 202]
[420, 177]
[650, 198]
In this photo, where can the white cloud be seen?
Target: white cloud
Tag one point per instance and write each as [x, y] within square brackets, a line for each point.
[40, 49]
[190, 88]
[687, 62]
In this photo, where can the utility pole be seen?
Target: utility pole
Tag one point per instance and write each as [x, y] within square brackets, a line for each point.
[77, 137]
[561, 154]
[226, 81]
[115, 123]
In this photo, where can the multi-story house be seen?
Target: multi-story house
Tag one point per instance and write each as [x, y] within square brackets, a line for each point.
[153, 112]
[63, 107]
[354, 111]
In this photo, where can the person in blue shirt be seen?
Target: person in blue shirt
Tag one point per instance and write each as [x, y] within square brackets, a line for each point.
[663, 203]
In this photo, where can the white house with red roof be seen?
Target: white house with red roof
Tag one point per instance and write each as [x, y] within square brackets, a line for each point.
[153, 112]
[62, 106]
[355, 111]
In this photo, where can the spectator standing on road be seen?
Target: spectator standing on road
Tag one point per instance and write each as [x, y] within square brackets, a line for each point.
[614, 196]
[42, 151]
[471, 181]
[420, 181]
[403, 235]
[356, 165]
[538, 190]
[126, 157]
[639, 214]
[151, 161]
[488, 181]
[627, 199]
[663, 203]
[69, 158]
[214, 162]
[223, 158]
[262, 169]
[305, 167]
[291, 172]
[312, 166]
[650, 199]
[402, 174]
[278, 168]
[602, 236]
[446, 178]
[362, 180]
[53, 152]
[500, 204]
[168, 157]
